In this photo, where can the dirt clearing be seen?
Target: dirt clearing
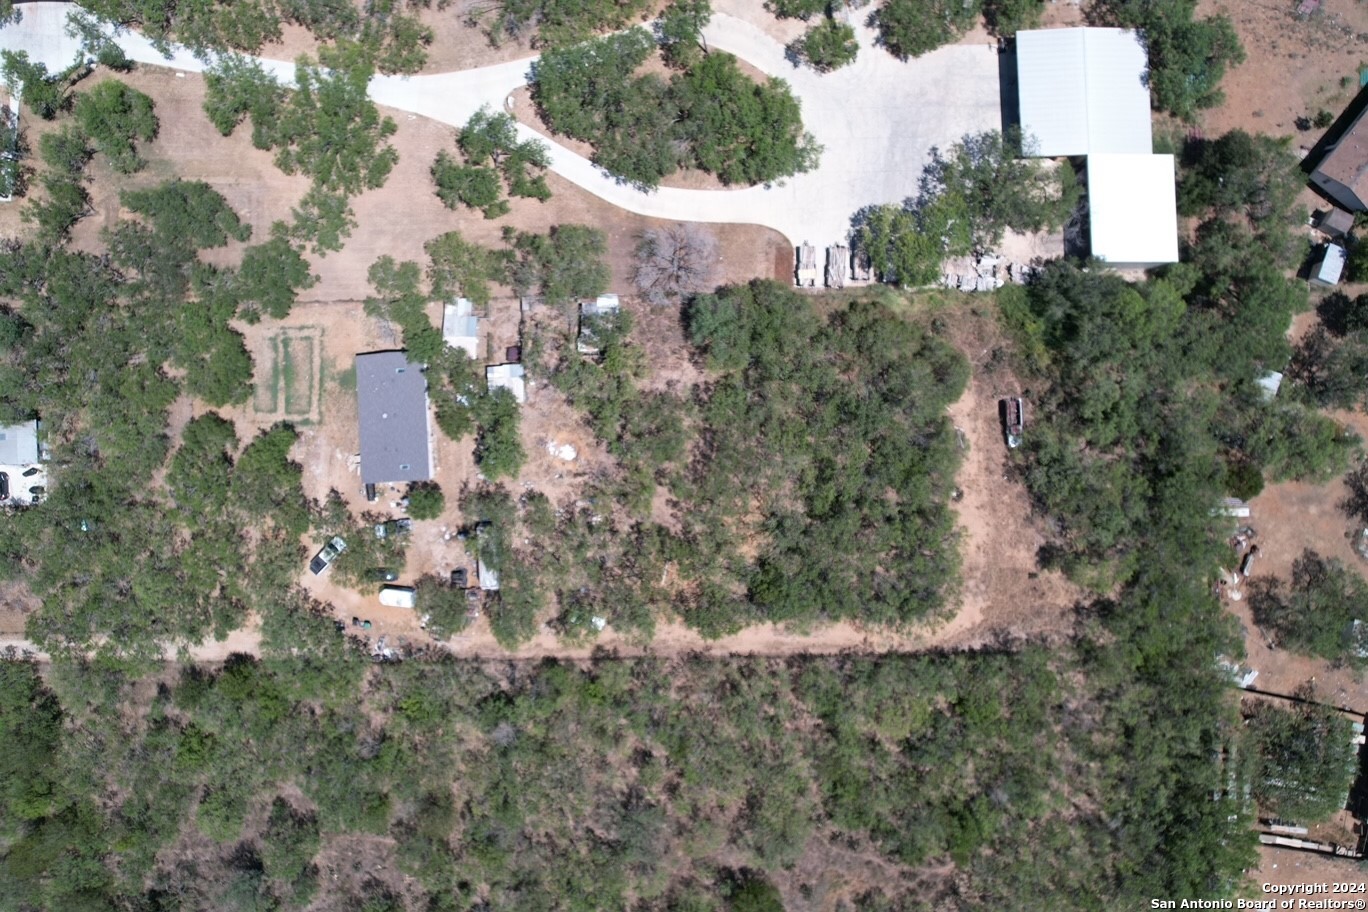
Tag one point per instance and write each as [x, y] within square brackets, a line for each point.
[1294, 66]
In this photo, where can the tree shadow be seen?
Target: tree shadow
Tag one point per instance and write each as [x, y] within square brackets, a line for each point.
[1355, 504]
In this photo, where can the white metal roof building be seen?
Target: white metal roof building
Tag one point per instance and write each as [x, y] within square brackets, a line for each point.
[1083, 91]
[1330, 267]
[511, 377]
[460, 328]
[1132, 209]
[19, 444]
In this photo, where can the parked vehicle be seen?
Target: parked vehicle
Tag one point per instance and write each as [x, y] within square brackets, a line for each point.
[398, 596]
[1013, 413]
[460, 577]
[326, 555]
[4, 486]
[383, 575]
[393, 527]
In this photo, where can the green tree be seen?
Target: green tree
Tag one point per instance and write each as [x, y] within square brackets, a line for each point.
[997, 188]
[330, 129]
[187, 215]
[739, 130]
[565, 265]
[585, 92]
[289, 842]
[115, 117]
[469, 185]
[679, 30]
[1255, 176]
[425, 500]
[1307, 760]
[498, 445]
[910, 28]
[270, 278]
[1315, 611]
[1187, 56]
[444, 605]
[491, 138]
[557, 22]
[1007, 17]
[43, 93]
[459, 268]
[238, 87]
[827, 46]
[796, 9]
[268, 483]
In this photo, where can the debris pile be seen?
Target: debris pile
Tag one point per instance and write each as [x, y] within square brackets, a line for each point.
[1228, 582]
[988, 272]
[562, 450]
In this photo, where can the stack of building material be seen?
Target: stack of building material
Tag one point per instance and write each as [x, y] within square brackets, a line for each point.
[806, 273]
[838, 258]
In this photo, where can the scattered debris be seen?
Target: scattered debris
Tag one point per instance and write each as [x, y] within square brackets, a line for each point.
[562, 451]
[988, 272]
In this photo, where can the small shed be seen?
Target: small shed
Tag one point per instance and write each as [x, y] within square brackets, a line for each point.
[1269, 384]
[1356, 638]
[806, 272]
[487, 575]
[461, 328]
[838, 261]
[19, 444]
[511, 377]
[592, 313]
[1327, 272]
[1232, 506]
[1336, 223]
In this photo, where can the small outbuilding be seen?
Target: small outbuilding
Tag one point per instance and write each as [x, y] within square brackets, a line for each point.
[605, 307]
[1335, 224]
[19, 444]
[392, 410]
[461, 328]
[1269, 384]
[511, 377]
[1330, 267]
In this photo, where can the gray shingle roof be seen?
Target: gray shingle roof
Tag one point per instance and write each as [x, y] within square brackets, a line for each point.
[392, 405]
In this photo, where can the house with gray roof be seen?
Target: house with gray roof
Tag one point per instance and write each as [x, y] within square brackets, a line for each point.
[392, 407]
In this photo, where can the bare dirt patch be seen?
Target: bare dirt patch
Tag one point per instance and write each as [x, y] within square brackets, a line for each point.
[1004, 591]
[1289, 867]
[1293, 68]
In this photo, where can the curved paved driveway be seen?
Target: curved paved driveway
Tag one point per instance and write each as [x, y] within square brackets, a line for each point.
[876, 119]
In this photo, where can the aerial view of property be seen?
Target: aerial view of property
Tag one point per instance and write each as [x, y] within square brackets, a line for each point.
[683, 455]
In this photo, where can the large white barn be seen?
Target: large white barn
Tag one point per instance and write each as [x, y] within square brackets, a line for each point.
[1084, 92]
